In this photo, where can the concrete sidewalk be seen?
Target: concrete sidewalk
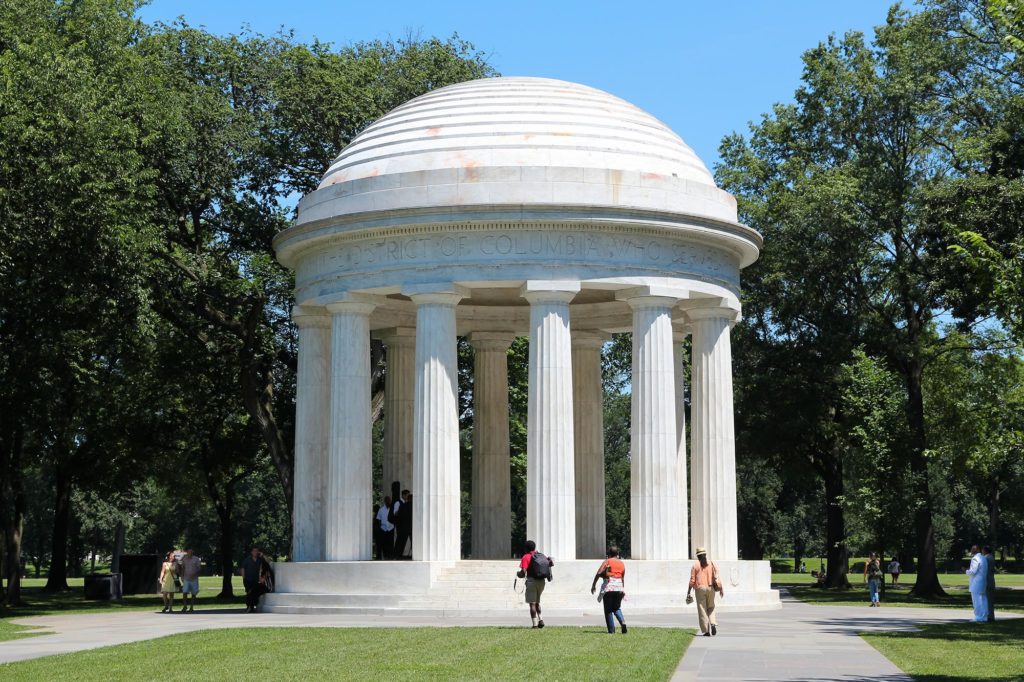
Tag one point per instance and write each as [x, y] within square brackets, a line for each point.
[804, 642]
[799, 641]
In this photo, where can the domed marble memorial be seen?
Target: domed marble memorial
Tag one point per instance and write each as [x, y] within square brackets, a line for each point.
[492, 209]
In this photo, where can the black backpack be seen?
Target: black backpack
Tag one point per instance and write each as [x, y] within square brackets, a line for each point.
[540, 567]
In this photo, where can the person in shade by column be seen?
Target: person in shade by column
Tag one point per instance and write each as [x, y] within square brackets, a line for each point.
[384, 530]
[990, 582]
[705, 582]
[613, 572]
[254, 569]
[978, 585]
[403, 524]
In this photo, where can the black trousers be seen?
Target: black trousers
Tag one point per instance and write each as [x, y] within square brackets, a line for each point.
[385, 544]
[253, 591]
[401, 539]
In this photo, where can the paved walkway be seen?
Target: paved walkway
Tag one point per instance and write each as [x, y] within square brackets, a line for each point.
[804, 642]
[797, 642]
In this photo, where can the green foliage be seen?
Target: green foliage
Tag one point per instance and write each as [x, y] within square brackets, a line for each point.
[855, 186]
[147, 357]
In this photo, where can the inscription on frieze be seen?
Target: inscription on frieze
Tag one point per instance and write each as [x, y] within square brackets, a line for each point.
[486, 247]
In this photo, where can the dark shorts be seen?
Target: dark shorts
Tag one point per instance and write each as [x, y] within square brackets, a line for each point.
[612, 601]
[534, 588]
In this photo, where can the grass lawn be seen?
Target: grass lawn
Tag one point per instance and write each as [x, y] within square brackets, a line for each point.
[554, 653]
[906, 579]
[1006, 600]
[10, 631]
[957, 651]
[40, 603]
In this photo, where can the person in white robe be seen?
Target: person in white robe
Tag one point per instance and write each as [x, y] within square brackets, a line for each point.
[978, 584]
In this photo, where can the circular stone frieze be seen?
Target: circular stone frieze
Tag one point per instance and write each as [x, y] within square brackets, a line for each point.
[509, 179]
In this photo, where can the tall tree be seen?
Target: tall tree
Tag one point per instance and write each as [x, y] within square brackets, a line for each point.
[865, 143]
[242, 123]
[73, 197]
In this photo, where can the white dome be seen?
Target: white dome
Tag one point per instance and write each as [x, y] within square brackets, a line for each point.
[517, 142]
[508, 122]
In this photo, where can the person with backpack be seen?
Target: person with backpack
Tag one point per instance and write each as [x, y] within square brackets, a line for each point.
[613, 572]
[873, 576]
[536, 568]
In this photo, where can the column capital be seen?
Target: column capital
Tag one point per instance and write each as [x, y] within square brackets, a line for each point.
[397, 336]
[589, 338]
[310, 316]
[680, 332]
[349, 302]
[710, 308]
[652, 296]
[497, 341]
[443, 293]
[549, 291]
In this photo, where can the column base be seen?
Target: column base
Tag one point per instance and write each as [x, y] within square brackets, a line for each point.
[461, 589]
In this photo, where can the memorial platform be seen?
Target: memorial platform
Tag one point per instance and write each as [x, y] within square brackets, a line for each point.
[468, 588]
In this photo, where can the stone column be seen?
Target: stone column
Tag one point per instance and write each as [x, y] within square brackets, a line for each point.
[588, 435]
[492, 485]
[550, 455]
[713, 456]
[399, 384]
[435, 476]
[682, 488]
[312, 407]
[348, 501]
[655, 529]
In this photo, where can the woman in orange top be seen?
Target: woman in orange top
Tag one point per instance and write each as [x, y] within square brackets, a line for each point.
[613, 571]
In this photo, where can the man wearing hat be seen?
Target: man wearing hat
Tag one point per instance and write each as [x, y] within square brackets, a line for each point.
[705, 581]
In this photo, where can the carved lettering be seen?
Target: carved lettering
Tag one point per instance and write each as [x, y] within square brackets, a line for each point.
[668, 255]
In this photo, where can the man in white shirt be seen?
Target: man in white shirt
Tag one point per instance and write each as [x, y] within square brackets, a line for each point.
[978, 573]
[385, 531]
[190, 568]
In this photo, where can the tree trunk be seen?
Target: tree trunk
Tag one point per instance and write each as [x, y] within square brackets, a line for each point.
[226, 547]
[835, 521]
[13, 530]
[115, 559]
[798, 554]
[58, 577]
[927, 585]
[258, 397]
[12, 506]
[993, 512]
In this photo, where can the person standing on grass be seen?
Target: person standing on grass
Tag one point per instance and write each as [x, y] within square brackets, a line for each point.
[705, 582]
[190, 566]
[873, 577]
[894, 570]
[613, 572]
[254, 569]
[536, 568]
[168, 576]
[990, 582]
[978, 574]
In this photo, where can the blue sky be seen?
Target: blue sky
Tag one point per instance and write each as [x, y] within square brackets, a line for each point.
[704, 68]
